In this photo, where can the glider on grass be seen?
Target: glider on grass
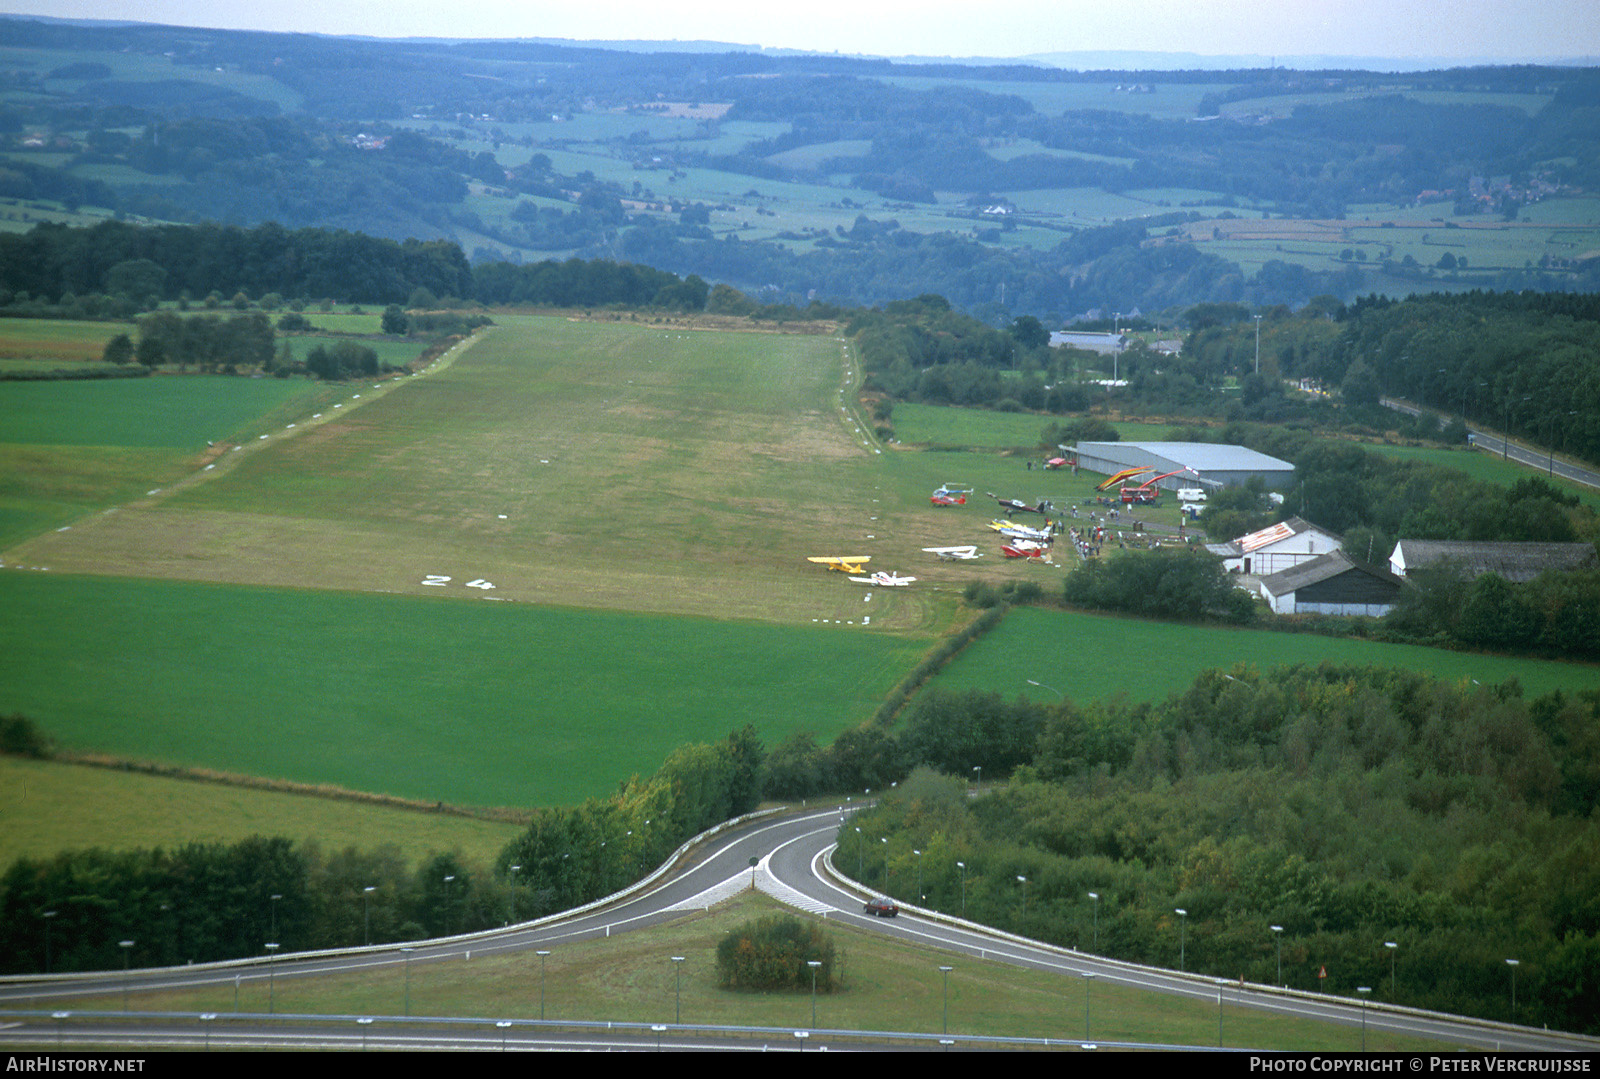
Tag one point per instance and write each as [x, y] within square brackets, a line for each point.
[1016, 506]
[1012, 530]
[1119, 477]
[954, 554]
[844, 563]
[885, 580]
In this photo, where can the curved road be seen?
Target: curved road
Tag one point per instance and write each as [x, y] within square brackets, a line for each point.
[790, 852]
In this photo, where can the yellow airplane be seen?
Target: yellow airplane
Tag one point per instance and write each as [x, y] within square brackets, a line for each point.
[845, 563]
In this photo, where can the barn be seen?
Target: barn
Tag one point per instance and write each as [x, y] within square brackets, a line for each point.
[1516, 562]
[1197, 464]
[1332, 583]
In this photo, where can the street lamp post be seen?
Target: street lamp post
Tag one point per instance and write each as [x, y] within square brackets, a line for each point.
[366, 913]
[275, 899]
[920, 896]
[1088, 982]
[1364, 990]
[677, 967]
[1096, 897]
[1277, 935]
[945, 971]
[1024, 882]
[127, 946]
[885, 841]
[48, 917]
[1258, 342]
[272, 999]
[963, 867]
[543, 954]
[1393, 946]
[814, 964]
[1183, 936]
[1513, 964]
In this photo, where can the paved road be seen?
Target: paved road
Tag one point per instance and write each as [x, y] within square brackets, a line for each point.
[791, 856]
[1543, 461]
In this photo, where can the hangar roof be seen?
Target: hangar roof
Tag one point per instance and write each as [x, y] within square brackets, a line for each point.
[1198, 456]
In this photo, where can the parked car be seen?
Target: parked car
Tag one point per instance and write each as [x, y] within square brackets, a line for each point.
[882, 908]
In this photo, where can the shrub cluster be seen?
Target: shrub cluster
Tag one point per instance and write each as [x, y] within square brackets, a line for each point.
[775, 953]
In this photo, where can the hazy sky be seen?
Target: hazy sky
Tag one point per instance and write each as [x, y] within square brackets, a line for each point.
[1444, 29]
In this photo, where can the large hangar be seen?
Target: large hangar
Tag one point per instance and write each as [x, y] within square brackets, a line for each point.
[1198, 464]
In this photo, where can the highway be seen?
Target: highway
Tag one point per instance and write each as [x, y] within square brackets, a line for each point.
[790, 854]
[1542, 461]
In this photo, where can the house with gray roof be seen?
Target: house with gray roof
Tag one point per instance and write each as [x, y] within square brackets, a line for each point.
[1516, 562]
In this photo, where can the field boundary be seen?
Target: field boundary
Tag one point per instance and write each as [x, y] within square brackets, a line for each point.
[498, 814]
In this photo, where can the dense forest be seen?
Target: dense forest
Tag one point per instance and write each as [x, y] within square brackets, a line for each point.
[1350, 807]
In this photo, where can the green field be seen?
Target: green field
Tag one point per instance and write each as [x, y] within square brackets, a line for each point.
[428, 698]
[51, 807]
[1090, 656]
[48, 342]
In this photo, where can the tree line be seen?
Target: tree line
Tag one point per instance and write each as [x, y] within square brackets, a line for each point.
[1349, 806]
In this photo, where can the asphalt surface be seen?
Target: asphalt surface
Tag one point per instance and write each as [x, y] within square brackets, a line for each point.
[789, 853]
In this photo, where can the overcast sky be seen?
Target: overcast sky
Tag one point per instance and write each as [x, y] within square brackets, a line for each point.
[1444, 29]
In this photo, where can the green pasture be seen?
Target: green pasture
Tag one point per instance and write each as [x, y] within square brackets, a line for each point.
[396, 352]
[469, 703]
[1086, 657]
[51, 807]
[68, 449]
[56, 340]
[179, 412]
[886, 984]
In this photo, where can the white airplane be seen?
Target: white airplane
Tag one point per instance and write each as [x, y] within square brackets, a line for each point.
[954, 554]
[1012, 530]
[885, 580]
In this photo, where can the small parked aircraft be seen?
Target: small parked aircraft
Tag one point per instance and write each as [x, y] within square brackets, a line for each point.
[885, 580]
[1016, 506]
[1025, 549]
[844, 563]
[950, 495]
[954, 554]
[1012, 530]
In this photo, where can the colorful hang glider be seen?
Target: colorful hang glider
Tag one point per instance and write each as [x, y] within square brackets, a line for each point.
[1120, 477]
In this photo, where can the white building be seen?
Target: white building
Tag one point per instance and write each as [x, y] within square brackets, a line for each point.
[1277, 548]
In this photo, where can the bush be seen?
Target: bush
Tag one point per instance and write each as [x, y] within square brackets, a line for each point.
[18, 735]
[773, 953]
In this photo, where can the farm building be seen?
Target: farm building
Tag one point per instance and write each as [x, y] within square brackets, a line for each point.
[1332, 583]
[1276, 548]
[1518, 562]
[1198, 464]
